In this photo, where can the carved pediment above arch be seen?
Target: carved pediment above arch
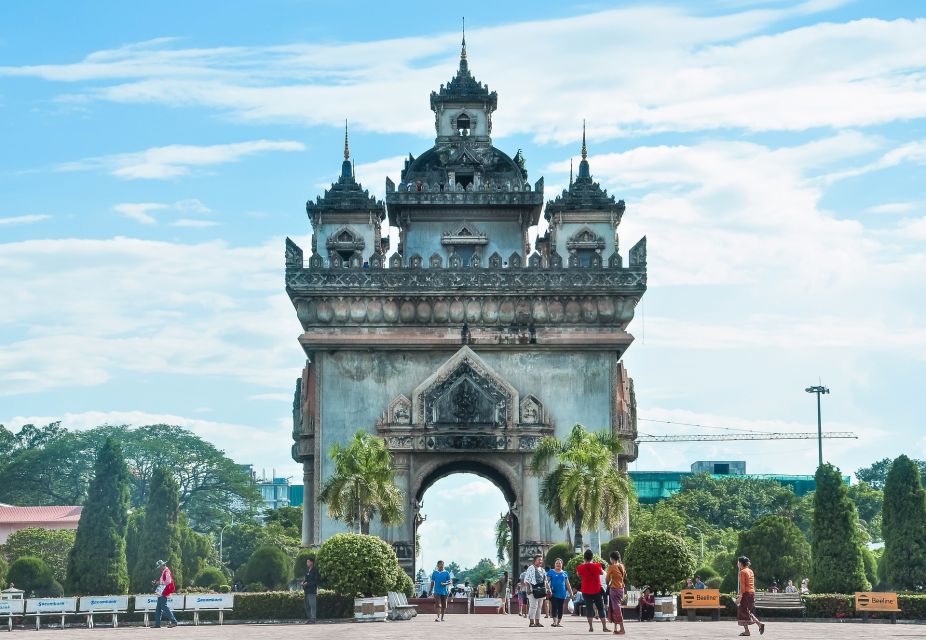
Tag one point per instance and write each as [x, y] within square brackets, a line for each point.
[465, 234]
[400, 411]
[465, 392]
[345, 239]
[585, 238]
[532, 411]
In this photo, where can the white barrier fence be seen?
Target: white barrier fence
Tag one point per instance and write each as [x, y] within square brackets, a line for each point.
[220, 602]
[39, 607]
[12, 609]
[111, 605]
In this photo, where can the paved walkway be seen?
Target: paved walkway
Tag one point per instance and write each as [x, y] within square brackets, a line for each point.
[482, 627]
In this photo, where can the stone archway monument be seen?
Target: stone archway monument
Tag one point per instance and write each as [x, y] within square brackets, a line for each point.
[464, 345]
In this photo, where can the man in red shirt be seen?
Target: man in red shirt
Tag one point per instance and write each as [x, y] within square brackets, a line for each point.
[164, 587]
[590, 574]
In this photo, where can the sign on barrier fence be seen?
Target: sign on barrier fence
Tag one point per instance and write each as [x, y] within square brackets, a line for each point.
[147, 604]
[39, 607]
[114, 605]
[11, 609]
[220, 602]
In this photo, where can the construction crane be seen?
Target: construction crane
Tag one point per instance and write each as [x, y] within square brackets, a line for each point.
[697, 437]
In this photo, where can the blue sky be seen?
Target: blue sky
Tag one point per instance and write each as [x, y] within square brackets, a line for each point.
[154, 158]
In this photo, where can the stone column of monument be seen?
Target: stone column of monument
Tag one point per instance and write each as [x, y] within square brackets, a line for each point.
[463, 346]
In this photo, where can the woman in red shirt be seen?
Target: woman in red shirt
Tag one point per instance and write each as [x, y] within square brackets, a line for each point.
[590, 573]
[746, 601]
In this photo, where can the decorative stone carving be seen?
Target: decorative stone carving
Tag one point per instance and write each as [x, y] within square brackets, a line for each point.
[376, 260]
[535, 261]
[456, 261]
[415, 261]
[316, 261]
[531, 410]
[435, 261]
[495, 261]
[345, 239]
[475, 261]
[464, 391]
[528, 443]
[293, 255]
[514, 260]
[466, 442]
[465, 234]
[585, 238]
[637, 257]
[400, 410]
[395, 261]
[615, 261]
[556, 260]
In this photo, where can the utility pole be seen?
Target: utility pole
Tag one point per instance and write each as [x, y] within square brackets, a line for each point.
[819, 390]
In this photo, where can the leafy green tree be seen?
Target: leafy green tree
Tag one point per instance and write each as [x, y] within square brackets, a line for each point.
[837, 565]
[484, 570]
[573, 563]
[299, 567]
[904, 526]
[32, 575]
[875, 475]
[584, 487]
[132, 537]
[197, 552]
[871, 567]
[288, 518]
[618, 544]
[3, 564]
[869, 503]
[352, 563]
[363, 484]
[159, 538]
[97, 564]
[270, 567]
[453, 569]
[658, 559]
[51, 545]
[239, 543]
[502, 538]
[777, 550]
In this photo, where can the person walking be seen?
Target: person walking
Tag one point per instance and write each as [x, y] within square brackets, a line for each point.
[615, 577]
[537, 590]
[310, 590]
[522, 593]
[504, 586]
[590, 575]
[440, 584]
[559, 589]
[746, 600]
[164, 586]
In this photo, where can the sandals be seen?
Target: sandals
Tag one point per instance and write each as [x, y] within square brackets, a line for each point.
[761, 628]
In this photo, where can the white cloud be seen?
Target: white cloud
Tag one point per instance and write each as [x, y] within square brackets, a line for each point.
[467, 492]
[80, 311]
[159, 163]
[893, 207]
[193, 223]
[27, 219]
[139, 211]
[654, 69]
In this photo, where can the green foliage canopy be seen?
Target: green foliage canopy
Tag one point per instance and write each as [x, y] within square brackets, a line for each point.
[658, 559]
[351, 563]
[97, 564]
[270, 567]
[159, 538]
[904, 527]
[836, 549]
[32, 575]
[51, 545]
[777, 550]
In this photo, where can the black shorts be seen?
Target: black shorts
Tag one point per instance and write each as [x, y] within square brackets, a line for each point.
[593, 602]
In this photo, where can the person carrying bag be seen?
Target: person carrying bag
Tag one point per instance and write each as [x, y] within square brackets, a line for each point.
[537, 591]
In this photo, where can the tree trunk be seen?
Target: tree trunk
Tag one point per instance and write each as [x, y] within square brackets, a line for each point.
[577, 523]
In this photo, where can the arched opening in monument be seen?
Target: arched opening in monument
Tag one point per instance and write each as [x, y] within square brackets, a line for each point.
[460, 504]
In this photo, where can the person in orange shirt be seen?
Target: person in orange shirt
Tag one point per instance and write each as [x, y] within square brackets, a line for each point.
[615, 577]
[746, 600]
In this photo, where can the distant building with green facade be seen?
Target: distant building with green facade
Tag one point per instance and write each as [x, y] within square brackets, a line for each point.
[653, 486]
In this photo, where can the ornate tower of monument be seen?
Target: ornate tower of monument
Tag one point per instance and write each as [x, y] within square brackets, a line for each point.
[464, 347]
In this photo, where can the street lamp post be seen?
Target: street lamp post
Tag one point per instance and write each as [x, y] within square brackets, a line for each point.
[222, 535]
[701, 534]
[819, 390]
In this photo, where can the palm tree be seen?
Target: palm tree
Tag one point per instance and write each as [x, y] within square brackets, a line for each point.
[585, 486]
[363, 484]
[502, 538]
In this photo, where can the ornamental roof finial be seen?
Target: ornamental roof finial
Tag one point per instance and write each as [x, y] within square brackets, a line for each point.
[346, 145]
[584, 149]
[570, 172]
[463, 49]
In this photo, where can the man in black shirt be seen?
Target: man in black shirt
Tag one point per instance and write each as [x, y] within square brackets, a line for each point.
[310, 588]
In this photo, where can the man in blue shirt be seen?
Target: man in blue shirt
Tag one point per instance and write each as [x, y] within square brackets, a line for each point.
[440, 585]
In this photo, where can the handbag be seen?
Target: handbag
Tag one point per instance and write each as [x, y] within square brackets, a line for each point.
[539, 591]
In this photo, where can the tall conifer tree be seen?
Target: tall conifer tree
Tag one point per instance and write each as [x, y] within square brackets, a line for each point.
[159, 537]
[836, 551]
[97, 564]
[904, 526]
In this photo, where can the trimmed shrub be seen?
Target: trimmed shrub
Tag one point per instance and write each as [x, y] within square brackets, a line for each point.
[836, 549]
[904, 526]
[658, 559]
[871, 567]
[255, 587]
[714, 582]
[404, 584]
[352, 563]
[618, 544]
[299, 564]
[289, 605]
[159, 536]
[706, 572]
[912, 605]
[829, 605]
[561, 550]
[777, 550]
[269, 567]
[574, 562]
[211, 578]
[33, 575]
[96, 563]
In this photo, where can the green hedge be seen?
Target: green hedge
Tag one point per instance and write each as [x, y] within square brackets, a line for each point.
[289, 605]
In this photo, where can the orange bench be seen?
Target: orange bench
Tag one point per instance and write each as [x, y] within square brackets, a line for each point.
[867, 602]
